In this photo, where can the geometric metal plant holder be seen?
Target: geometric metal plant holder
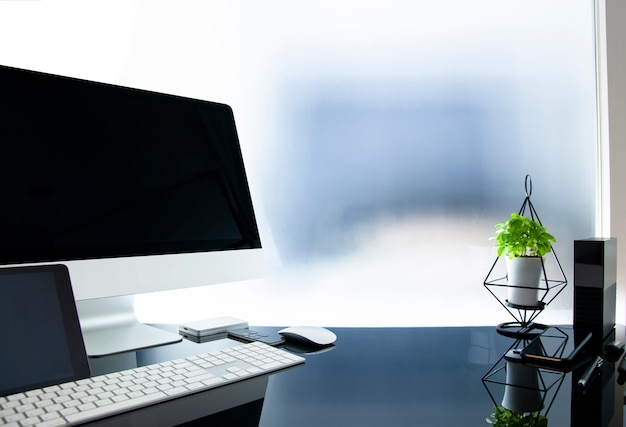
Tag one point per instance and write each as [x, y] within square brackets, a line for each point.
[497, 383]
[549, 289]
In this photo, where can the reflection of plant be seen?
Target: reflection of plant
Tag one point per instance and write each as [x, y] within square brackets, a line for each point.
[522, 236]
[502, 417]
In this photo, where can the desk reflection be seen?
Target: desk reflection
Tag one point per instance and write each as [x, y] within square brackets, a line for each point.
[399, 377]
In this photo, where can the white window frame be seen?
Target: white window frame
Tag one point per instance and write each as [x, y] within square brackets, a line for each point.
[610, 16]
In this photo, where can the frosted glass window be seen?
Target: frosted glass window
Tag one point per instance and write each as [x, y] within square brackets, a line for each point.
[383, 139]
[403, 131]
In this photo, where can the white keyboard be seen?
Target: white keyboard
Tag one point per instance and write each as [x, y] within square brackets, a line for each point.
[102, 396]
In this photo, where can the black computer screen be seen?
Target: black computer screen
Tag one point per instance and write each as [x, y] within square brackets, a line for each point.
[90, 170]
[42, 343]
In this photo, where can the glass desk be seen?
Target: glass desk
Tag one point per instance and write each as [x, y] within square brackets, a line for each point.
[429, 376]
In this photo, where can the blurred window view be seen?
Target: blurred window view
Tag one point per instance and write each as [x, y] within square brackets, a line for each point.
[384, 139]
[403, 131]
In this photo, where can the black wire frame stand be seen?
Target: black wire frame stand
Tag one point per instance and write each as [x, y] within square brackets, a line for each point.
[550, 381]
[524, 316]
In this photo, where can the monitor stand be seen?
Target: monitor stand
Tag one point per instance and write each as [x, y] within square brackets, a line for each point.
[110, 327]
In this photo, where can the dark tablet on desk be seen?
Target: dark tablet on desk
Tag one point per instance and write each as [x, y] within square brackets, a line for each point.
[43, 343]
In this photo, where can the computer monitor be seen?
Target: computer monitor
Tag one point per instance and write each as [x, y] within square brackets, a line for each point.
[134, 191]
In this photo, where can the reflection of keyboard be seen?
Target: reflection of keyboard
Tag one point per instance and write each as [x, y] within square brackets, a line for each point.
[106, 395]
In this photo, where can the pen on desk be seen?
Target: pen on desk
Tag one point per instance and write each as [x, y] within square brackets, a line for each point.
[591, 372]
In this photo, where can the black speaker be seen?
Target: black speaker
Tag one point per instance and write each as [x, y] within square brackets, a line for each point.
[595, 278]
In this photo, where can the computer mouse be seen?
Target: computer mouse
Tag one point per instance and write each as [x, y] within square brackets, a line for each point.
[314, 335]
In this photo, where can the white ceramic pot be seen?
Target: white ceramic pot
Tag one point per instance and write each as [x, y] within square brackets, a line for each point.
[524, 274]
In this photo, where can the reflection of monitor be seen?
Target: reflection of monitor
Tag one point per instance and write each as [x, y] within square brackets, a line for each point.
[134, 191]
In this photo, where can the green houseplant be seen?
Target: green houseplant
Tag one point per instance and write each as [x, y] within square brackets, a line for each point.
[524, 242]
[502, 417]
[520, 236]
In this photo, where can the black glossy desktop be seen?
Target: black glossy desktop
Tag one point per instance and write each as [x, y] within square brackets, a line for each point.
[388, 376]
